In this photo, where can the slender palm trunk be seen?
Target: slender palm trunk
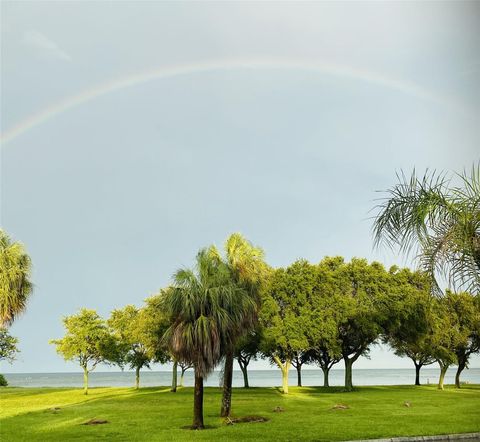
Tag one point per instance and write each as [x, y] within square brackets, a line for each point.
[348, 374]
[85, 380]
[198, 403]
[227, 385]
[443, 371]
[326, 371]
[174, 377]
[137, 378]
[461, 367]
[299, 375]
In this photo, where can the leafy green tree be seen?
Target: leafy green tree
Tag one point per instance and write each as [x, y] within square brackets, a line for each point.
[156, 322]
[247, 268]
[439, 221]
[8, 346]
[129, 326]
[15, 285]
[325, 344]
[288, 314]
[200, 305]
[246, 349]
[299, 359]
[87, 341]
[410, 322]
[362, 291]
[325, 359]
[444, 338]
[464, 310]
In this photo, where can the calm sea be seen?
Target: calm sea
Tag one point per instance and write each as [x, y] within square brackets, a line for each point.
[257, 378]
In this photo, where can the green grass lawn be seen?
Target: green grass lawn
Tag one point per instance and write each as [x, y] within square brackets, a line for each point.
[155, 414]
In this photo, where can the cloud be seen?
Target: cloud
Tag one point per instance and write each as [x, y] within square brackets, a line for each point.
[46, 46]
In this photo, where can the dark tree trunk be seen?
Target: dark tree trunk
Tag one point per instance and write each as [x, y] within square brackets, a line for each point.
[243, 367]
[299, 375]
[198, 403]
[348, 374]
[325, 377]
[227, 385]
[461, 367]
[417, 373]
[174, 377]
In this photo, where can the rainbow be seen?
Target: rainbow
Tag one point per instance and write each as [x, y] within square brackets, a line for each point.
[165, 72]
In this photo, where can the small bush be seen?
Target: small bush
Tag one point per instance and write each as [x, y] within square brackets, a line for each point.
[3, 381]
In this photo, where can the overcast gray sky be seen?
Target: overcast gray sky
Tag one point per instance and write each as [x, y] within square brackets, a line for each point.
[135, 133]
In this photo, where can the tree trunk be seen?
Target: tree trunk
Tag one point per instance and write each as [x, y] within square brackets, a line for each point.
[348, 374]
[417, 373]
[285, 377]
[137, 378]
[198, 403]
[85, 380]
[174, 377]
[284, 368]
[460, 368]
[443, 371]
[245, 374]
[299, 375]
[181, 376]
[325, 377]
[227, 385]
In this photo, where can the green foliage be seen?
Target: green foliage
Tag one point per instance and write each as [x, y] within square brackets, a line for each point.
[248, 346]
[8, 346]
[288, 314]
[411, 321]
[15, 285]
[87, 341]
[129, 326]
[361, 300]
[3, 381]
[156, 321]
[439, 222]
[460, 312]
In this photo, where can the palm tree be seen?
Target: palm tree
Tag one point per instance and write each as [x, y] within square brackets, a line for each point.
[202, 304]
[247, 267]
[15, 285]
[439, 221]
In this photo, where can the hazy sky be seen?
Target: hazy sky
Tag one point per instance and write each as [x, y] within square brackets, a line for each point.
[137, 132]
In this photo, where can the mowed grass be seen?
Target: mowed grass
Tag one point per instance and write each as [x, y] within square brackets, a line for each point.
[156, 414]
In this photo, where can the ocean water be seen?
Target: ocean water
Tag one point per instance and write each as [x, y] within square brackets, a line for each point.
[257, 378]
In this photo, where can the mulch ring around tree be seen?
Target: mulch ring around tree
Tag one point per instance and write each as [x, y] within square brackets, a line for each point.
[244, 419]
[96, 422]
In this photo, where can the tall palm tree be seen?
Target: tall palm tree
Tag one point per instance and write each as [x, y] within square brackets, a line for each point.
[247, 267]
[439, 221]
[15, 285]
[202, 306]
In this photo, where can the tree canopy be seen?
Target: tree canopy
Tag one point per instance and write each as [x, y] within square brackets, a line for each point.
[15, 285]
[87, 341]
[8, 346]
[439, 221]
